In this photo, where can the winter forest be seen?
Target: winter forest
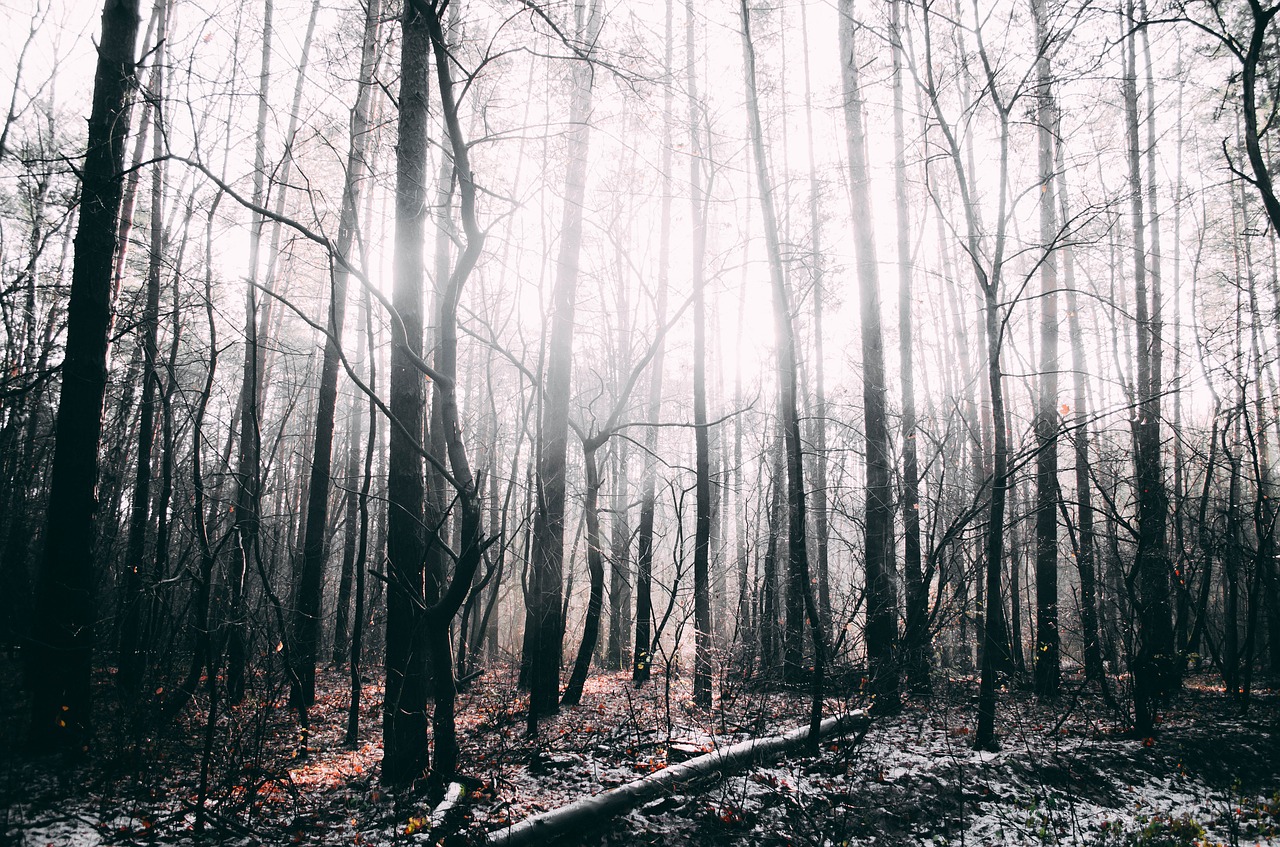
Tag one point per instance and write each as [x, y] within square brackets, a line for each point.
[502, 421]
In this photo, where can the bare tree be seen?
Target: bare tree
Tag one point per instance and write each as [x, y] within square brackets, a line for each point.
[916, 652]
[545, 619]
[702, 446]
[130, 646]
[642, 661]
[800, 598]
[1152, 664]
[406, 755]
[314, 549]
[882, 605]
[62, 633]
[248, 462]
[1047, 650]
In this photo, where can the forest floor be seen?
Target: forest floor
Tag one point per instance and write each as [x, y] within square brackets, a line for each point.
[1066, 773]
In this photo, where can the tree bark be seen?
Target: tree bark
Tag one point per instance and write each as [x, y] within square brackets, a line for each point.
[820, 509]
[882, 613]
[1048, 663]
[545, 617]
[1086, 536]
[799, 591]
[620, 562]
[311, 578]
[1152, 663]
[248, 460]
[131, 660]
[916, 649]
[702, 445]
[642, 661]
[593, 811]
[404, 716]
[595, 567]
[360, 615]
[452, 591]
[63, 622]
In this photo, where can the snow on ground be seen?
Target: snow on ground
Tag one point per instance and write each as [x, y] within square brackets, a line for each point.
[1065, 774]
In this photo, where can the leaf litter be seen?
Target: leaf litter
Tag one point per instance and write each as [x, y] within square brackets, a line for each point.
[1066, 773]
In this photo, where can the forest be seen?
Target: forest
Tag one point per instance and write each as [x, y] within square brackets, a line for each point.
[673, 422]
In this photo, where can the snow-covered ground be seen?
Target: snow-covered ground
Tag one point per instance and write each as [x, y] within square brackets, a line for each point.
[1065, 774]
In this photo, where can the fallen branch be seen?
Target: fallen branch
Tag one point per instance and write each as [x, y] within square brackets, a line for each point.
[467, 679]
[597, 809]
[453, 795]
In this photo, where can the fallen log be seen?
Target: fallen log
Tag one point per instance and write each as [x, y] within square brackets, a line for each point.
[590, 812]
[453, 795]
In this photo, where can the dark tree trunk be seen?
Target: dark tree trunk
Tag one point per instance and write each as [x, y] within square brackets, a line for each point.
[769, 618]
[546, 574]
[248, 460]
[995, 642]
[1086, 535]
[130, 647]
[916, 649]
[62, 633]
[798, 588]
[595, 566]
[203, 658]
[642, 661]
[1152, 663]
[404, 716]
[702, 445]
[820, 508]
[620, 563]
[1251, 56]
[453, 591]
[346, 575]
[1048, 661]
[1086, 545]
[882, 612]
[314, 547]
[360, 615]
[1016, 545]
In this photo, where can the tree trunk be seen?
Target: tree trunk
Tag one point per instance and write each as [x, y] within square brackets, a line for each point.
[1153, 662]
[642, 661]
[346, 576]
[620, 562]
[1016, 544]
[546, 575]
[799, 591]
[768, 618]
[593, 811]
[595, 566]
[311, 578]
[404, 716]
[158, 577]
[63, 621]
[470, 549]
[134, 175]
[130, 647]
[248, 462]
[360, 614]
[1048, 661]
[821, 519]
[916, 649]
[702, 445]
[995, 643]
[203, 658]
[1086, 539]
[1252, 56]
[882, 612]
